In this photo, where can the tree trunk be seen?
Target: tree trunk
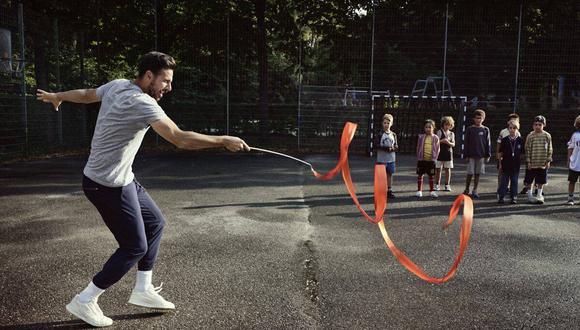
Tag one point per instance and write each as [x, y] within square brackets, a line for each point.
[260, 8]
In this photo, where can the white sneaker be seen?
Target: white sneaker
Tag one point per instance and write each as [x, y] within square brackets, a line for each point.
[570, 201]
[434, 194]
[150, 298]
[447, 187]
[540, 199]
[419, 194]
[88, 312]
[436, 187]
[532, 199]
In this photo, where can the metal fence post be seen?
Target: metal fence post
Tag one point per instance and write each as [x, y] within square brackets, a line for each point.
[228, 75]
[445, 46]
[23, 75]
[298, 123]
[371, 108]
[58, 82]
[518, 58]
[155, 7]
[83, 83]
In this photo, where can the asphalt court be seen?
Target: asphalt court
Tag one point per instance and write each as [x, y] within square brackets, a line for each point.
[255, 241]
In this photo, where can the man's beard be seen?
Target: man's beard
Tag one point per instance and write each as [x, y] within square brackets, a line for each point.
[153, 93]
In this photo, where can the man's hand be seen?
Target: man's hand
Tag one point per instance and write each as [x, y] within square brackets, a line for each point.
[48, 98]
[235, 144]
[547, 165]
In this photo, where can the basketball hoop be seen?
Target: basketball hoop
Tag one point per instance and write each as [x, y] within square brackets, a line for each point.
[8, 64]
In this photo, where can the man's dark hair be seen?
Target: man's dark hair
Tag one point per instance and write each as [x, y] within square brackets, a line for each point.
[155, 62]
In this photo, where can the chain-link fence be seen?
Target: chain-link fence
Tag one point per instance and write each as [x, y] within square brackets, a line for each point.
[523, 58]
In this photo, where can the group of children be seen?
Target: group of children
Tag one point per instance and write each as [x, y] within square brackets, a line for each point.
[435, 156]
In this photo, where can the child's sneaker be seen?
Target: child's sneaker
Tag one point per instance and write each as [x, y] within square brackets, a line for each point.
[447, 187]
[466, 192]
[524, 191]
[434, 194]
[540, 199]
[474, 195]
[514, 201]
[570, 201]
[436, 187]
[419, 194]
[390, 194]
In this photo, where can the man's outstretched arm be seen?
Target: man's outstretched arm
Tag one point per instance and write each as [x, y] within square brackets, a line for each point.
[193, 141]
[75, 96]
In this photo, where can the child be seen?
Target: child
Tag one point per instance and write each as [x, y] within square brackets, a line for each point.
[538, 159]
[477, 151]
[503, 133]
[445, 158]
[427, 152]
[573, 161]
[509, 152]
[387, 146]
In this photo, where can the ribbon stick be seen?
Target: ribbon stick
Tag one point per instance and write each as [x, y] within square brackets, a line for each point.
[283, 155]
[380, 197]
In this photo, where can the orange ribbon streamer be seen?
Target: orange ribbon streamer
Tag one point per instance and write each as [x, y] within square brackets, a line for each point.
[380, 196]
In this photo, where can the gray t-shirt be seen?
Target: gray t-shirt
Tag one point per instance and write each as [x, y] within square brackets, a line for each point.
[388, 140]
[124, 118]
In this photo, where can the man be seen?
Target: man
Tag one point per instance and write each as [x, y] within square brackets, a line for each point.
[127, 111]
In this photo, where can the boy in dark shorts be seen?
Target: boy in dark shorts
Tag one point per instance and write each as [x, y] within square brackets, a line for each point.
[538, 159]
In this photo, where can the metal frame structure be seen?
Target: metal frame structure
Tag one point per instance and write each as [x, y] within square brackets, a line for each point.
[411, 97]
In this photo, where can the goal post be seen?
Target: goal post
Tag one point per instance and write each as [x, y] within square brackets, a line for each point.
[409, 112]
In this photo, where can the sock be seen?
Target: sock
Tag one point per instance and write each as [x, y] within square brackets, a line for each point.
[91, 292]
[419, 183]
[430, 183]
[143, 280]
[540, 192]
[530, 193]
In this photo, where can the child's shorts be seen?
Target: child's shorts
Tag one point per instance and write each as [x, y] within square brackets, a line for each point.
[444, 164]
[573, 176]
[426, 167]
[476, 166]
[390, 167]
[539, 175]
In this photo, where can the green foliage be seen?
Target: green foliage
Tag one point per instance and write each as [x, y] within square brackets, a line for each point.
[309, 41]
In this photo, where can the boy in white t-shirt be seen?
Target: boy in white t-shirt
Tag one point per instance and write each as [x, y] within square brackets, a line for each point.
[387, 146]
[573, 161]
